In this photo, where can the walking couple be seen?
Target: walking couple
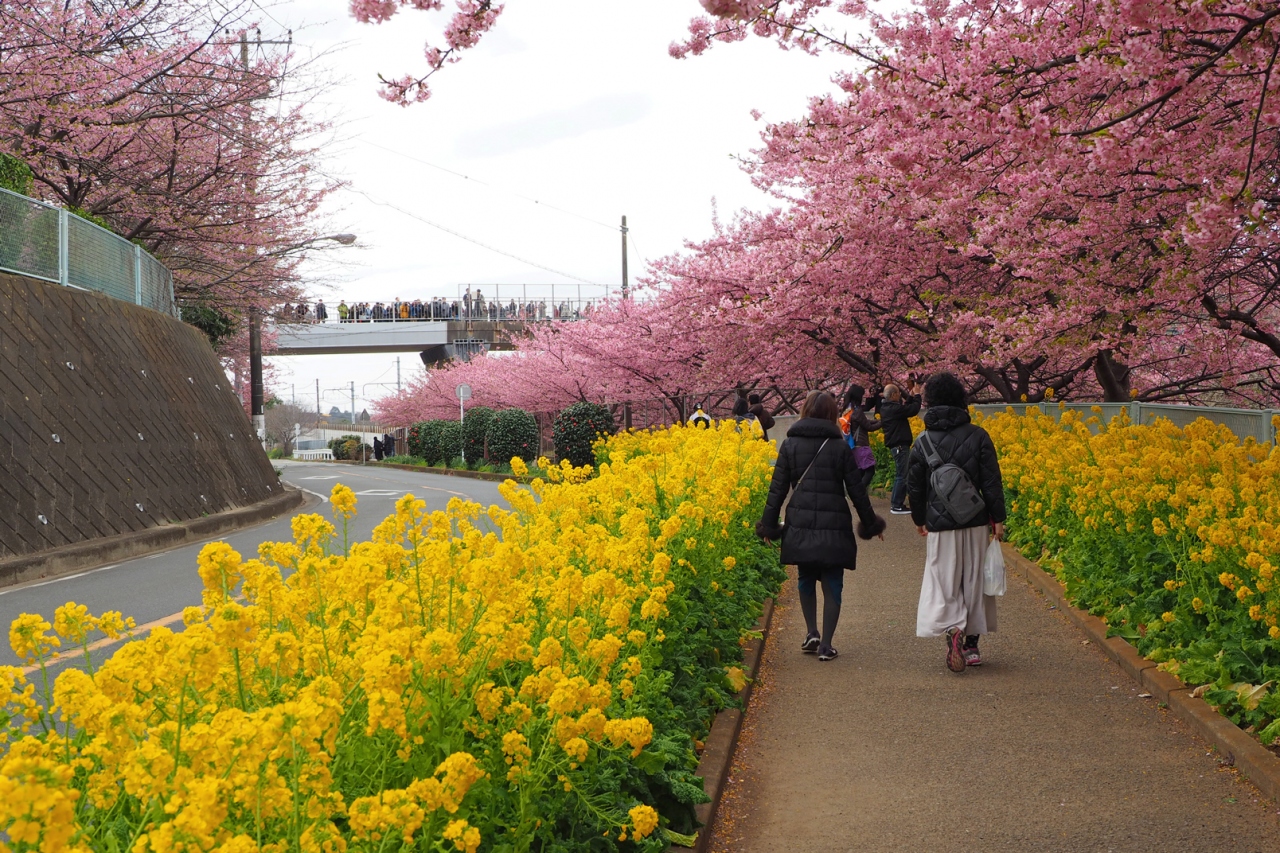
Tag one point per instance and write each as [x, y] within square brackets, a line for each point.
[816, 468]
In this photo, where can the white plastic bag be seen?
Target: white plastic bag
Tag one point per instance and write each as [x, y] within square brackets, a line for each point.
[993, 570]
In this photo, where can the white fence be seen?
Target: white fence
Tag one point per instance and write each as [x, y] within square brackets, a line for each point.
[1245, 423]
[46, 242]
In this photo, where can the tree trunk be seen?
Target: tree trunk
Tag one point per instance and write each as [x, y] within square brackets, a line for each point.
[1113, 376]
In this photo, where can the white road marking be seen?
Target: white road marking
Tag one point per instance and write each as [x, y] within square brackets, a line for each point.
[320, 478]
[381, 493]
[57, 580]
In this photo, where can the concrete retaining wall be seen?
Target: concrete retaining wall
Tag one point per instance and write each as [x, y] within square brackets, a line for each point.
[113, 418]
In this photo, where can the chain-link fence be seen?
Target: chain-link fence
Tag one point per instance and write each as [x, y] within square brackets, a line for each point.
[46, 242]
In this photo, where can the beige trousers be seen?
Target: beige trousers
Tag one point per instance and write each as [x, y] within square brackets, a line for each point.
[951, 595]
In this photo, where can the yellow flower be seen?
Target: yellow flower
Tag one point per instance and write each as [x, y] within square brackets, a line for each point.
[1167, 616]
[644, 820]
[344, 501]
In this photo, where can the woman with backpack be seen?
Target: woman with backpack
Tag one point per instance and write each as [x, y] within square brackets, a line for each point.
[953, 483]
[816, 467]
[857, 428]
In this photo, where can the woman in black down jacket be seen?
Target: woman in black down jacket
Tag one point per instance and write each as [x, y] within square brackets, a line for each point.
[951, 601]
[816, 467]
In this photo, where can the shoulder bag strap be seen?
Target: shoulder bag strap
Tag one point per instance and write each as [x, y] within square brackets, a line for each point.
[930, 450]
[796, 488]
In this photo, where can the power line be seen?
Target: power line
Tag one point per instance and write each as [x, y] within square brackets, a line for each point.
[491, 186]
[461, 236]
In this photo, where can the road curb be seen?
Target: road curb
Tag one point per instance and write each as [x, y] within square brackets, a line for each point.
[424, 469]
[722, 740]
[1258, 764]
[126, 546]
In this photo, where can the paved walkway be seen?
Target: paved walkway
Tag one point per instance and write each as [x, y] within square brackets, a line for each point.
[1046, 747]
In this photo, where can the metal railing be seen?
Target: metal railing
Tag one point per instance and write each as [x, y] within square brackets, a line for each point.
[535, 310]
[41, 241]
[1245, 423]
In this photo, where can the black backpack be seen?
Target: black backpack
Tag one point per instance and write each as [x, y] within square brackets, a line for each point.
[951, 484]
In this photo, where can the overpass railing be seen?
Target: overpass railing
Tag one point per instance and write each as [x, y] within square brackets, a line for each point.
[41, 241]
[536, 310]
[1245, 423]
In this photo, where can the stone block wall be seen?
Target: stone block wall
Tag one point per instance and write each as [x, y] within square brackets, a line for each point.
[113, 418]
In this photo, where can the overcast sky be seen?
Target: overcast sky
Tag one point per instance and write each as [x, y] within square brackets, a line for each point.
[573, 103]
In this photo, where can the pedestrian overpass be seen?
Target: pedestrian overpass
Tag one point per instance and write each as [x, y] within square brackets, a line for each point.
[434, 340]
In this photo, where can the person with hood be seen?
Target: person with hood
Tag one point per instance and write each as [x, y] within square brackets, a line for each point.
[952, 604]
[699, 418]
[815, 466]
[756, 408]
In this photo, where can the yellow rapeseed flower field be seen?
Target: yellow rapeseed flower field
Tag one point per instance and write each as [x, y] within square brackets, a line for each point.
[474, 679]
[1171, 535]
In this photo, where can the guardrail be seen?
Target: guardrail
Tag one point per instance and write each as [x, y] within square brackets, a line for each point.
[1245, 423]
[41, 241]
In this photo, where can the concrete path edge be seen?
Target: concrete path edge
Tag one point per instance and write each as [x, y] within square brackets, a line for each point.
[722, 740]
[1237, 748]
[82, 556]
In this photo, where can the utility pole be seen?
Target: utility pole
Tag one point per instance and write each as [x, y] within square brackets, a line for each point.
[397, 374]
[317, 403]
[624, 258]
[257, 415]
[353, 403]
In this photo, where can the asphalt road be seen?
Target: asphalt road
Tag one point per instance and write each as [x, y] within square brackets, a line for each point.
[155, 589]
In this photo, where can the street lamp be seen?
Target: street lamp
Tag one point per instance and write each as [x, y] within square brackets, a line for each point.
[259, 419]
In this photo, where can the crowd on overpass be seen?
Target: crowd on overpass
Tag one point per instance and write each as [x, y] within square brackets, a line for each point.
[469, 307]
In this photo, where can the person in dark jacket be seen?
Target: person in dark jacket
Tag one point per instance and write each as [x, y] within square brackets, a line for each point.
[951, 601]
[896, 413]
[756, 409]
[816, 467]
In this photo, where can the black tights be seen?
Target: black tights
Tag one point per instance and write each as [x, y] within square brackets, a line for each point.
[832, 579]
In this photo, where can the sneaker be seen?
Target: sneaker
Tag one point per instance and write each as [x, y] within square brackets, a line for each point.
[899, 510]
[810, 644]
[827, 653]
[971, 657]
[955, 653]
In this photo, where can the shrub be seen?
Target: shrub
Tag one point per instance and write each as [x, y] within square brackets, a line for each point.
[350, 447]
[475, 426]
[448, 441]
[513, 432]
[418, 439]
[436, 441]
[576, 430]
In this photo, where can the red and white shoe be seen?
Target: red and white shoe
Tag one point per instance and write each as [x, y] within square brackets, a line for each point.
[971, 657]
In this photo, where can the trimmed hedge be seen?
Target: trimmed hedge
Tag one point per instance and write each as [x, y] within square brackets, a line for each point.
[513, 432]
[577, 428]
[435, 442]
[475, 428]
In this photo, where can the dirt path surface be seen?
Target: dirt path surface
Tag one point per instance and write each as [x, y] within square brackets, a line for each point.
[1046, 747]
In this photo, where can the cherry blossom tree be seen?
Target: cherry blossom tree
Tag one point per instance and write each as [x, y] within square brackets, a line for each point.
[1053, 197]
[145, 116]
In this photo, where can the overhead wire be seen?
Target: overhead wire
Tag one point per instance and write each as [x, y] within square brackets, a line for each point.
[479, 243]
[466, 177]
